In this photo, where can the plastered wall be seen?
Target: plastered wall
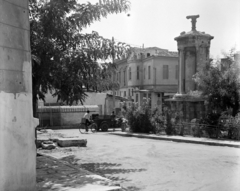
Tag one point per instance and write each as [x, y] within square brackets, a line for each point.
[17, 138]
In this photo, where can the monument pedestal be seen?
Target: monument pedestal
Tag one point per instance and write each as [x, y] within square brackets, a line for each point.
[190, 106]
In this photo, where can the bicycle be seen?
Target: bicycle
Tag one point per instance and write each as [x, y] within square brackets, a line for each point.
[93, 127]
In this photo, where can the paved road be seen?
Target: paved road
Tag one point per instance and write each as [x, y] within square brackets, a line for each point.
[153, 165]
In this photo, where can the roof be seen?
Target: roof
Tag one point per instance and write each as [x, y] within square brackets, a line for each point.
[158, 89]
[193, 33]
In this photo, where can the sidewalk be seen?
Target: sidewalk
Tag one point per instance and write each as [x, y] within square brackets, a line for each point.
[184, 139]
[54, 174]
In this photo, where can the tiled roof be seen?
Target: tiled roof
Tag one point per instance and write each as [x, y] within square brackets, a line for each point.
[159, 51]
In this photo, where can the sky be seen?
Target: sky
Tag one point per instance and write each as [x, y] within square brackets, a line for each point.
[155, 23]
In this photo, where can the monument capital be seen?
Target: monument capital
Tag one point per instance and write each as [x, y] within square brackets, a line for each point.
[194, 20]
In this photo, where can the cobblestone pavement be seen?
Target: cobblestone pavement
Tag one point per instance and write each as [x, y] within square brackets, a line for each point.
[54, 174]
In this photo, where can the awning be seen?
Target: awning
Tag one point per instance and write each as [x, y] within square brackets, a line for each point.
[169, 94]
[143, 91]
[118, 97]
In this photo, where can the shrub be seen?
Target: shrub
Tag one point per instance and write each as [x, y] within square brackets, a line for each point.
[157, 120]
[139, 118]
[234, 128]
[173, 121]
[212, 120]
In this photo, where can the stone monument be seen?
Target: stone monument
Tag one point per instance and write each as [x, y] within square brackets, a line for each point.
[193, 49]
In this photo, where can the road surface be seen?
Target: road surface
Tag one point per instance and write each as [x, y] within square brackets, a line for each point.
[154, 165]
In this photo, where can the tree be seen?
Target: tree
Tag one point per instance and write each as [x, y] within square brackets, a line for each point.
[221, 85]
[63, 58]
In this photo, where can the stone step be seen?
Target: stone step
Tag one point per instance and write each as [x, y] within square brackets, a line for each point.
[71, 142]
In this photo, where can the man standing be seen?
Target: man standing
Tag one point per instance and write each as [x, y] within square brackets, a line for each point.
[87, 119]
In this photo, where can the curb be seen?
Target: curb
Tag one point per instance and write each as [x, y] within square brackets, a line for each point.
[176, 140]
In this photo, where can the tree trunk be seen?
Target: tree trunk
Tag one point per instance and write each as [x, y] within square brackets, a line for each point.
[35, 106]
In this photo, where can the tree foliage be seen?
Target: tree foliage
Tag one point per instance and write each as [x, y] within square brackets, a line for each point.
[64, 58]
[221, 86]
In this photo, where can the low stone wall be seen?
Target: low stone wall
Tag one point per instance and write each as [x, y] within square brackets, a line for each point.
[63, 116]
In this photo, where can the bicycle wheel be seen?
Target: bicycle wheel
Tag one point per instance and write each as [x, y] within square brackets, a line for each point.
[82, 128]
[93, 127]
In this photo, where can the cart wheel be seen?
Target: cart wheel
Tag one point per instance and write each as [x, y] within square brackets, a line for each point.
[94, 127]
[104, 126]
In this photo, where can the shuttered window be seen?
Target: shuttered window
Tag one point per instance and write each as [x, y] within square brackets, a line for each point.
[149, 72]
[165, 71]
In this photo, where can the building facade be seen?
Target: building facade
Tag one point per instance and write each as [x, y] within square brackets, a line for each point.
[148, 72]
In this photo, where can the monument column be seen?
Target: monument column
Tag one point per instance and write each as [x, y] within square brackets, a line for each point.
[193, 48]
[17, 139]
[181, 75]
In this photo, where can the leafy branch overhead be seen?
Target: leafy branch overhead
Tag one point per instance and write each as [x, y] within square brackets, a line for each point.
[64, 58]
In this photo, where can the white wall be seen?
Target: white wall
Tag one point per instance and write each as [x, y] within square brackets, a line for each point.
[17, 125]
[96, 99]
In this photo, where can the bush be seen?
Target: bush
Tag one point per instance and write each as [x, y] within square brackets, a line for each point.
[139, 118]
[158, 121]
[212, 120]
[234, 127]
[223, 123]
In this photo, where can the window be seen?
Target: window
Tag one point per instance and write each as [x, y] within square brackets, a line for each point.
[137, 72]
[149, 72]
[136, 97]
[132, 92]
[165, 71]
[125, 94]
[144, 75]
[124, 77]
[129, 92]
[130, 74]
[155, 75]
[176, 74]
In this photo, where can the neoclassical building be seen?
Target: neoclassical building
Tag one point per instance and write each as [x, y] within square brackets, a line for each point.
[148, 72]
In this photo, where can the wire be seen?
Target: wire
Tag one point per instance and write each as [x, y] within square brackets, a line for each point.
[133, 45]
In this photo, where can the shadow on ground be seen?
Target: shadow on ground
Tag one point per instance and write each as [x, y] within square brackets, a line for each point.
[57, 175]
[111, 171]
